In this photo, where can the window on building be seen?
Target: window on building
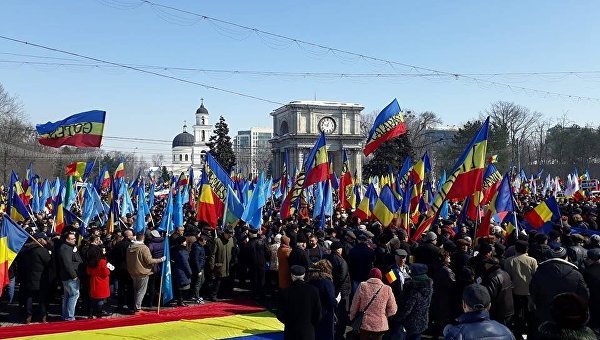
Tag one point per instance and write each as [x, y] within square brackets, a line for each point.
[186, 157]
[203, 135]
[173, 158]
[180, 158]
[203, 120]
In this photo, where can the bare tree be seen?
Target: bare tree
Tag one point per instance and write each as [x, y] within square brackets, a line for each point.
[418, 126]
[15, 131]
[158, 159]
[366, 122]
[519, 122]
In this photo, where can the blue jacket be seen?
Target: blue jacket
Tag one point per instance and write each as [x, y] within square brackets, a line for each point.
[477, 325]
[181, 270]
[197, 258]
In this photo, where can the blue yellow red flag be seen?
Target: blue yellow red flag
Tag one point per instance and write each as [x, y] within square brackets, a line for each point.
[82, 130]
[12, 239]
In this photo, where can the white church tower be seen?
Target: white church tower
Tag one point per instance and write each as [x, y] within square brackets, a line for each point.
[202, 131]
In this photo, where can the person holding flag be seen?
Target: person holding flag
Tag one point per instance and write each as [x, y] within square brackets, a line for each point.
[139, 265]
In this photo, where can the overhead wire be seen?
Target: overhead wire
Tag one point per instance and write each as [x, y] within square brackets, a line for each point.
[336, 51]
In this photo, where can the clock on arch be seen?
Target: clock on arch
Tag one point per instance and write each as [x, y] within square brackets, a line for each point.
[327, 125]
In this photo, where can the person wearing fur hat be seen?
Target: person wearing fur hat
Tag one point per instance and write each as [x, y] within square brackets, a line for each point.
[383, 305]
[570, 315]
[553, 277]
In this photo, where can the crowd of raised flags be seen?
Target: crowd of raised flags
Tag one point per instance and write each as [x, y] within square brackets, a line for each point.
[407, 199]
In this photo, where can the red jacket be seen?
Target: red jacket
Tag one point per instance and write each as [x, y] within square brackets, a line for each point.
[99, 280]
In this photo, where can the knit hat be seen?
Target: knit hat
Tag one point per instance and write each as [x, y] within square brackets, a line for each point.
[375, 273]
[476, 297]
[593, 254]
[417, 269]
[569, 310]
[556, 253]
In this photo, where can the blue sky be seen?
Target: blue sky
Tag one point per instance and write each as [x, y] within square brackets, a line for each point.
[457, 37]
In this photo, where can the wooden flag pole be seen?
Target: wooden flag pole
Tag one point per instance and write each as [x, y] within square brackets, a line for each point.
[160, 292]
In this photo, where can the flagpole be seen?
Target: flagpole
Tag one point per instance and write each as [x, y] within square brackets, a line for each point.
[160, 291]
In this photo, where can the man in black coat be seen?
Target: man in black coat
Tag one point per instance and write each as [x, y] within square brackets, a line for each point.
[499, 285]
[360, 261]
[553, 277]
[117, 258]
[70, 268]
[257, 260]
[299, 256]
[592, 279]
[428, 253]
[342, 285]
[36, 268]
[299, 308]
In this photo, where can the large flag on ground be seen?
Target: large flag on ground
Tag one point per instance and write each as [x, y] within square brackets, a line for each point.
[207, 203]
[387, 205]
[542, 216]
[12, 239]
[82, 129]
[501, 205]
[317, 163]
[388, 125]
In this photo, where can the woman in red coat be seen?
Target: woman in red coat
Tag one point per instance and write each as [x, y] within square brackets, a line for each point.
[99, 274]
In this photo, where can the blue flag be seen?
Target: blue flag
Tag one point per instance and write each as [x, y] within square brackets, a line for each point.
[233, 207]
[178, 209]
[140, 222]
[253, 211]
[318, 200]
[168, 212]
[167, 288]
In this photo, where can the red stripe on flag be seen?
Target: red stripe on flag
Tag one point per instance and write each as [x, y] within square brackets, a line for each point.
[319, 173]
[373, 145]
[534, 219]
[81, 140]
[466, 184]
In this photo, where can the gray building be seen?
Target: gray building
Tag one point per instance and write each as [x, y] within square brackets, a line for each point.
[297, 126]
[252, 150]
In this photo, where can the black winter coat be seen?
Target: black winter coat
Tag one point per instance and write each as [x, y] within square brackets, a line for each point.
[592, 279]
[554, 277]
[69, 262]
[181, 271]
[197, 258]
[413, 311]
[257, 258]
[298, 257]
[430, 255]
[35, 267]
[340, 275]
[299, 309]
[499, 285]
[360, 262]
[445, 295]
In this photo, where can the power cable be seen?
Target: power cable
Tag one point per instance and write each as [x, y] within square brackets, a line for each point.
[334, 50]
[210, 87]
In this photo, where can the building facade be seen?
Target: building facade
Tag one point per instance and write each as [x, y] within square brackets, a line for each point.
[190, 149]
[253, 150]
[297, 125]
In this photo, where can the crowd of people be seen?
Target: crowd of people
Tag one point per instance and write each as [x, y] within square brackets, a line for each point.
[351, 274]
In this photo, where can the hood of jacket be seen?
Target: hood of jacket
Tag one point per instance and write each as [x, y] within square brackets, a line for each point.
[135, 247]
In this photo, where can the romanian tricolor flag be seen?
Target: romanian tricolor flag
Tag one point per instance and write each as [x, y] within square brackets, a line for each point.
[79, 169]
[388, 125]
[59, 215]
[104, 178]
[346, 186]
[543, 214]
[491, 182]
[367, 203]
[391, 276]
[12, 239]
[502, 204]
[120, 171]
[293, 197]
[83, 130]
[466, 178]
[386, 207]
[317, 163]
[207, 209]
[18, 210]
